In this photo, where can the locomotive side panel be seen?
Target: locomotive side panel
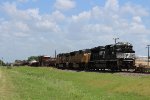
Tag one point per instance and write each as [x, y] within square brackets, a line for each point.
[61, 60]
[79, 59]
[97, 60]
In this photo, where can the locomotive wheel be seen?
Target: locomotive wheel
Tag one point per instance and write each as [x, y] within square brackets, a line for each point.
[86, 68]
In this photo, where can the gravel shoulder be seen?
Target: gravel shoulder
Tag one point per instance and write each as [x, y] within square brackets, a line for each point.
[132, 74]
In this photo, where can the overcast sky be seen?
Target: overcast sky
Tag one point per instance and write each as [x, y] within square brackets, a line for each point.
[38, 27]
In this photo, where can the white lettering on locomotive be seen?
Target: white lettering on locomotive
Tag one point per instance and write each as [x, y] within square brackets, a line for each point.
[125, 55]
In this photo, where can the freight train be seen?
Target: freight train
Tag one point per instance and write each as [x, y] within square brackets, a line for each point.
[112, 57]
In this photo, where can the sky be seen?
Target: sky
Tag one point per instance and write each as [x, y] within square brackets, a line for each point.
[39, 27]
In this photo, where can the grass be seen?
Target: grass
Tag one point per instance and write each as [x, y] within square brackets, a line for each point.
[32, 83]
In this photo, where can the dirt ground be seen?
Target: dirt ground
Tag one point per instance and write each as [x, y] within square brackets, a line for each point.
[142, 62]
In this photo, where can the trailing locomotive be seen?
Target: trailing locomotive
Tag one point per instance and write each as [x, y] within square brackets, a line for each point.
[73, 60]
[114, 57]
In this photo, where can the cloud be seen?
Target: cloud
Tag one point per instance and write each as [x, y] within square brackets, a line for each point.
[64, 4]
[135, 10]
[37, 33]
[25, 1]
[137, 19]
[112, 5]
[22, 26]
[46, 26]
[58, 16]
[15, 13]
[22, 1]
[96, 28]
[29, 21]
[110, 19]
[84, 16]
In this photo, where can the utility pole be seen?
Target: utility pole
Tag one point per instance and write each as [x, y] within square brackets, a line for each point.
[55, 54]
[148, 46]
[115, 40]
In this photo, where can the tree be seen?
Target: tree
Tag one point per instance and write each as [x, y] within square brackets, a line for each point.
[31, 58]
[2, 63]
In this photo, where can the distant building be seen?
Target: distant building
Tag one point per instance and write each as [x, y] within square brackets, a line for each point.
[141, 61]
[142, 58]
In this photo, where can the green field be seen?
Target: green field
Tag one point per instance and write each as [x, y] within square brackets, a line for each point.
[32, 83]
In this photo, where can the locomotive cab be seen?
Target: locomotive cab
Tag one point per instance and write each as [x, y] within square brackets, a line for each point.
[125, 55]
[120, 56]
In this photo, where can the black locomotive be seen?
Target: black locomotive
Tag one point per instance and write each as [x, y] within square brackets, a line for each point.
[115, 57]
[111, 57]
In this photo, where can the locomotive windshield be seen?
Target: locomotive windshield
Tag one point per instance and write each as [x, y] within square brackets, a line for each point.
[124, 48]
